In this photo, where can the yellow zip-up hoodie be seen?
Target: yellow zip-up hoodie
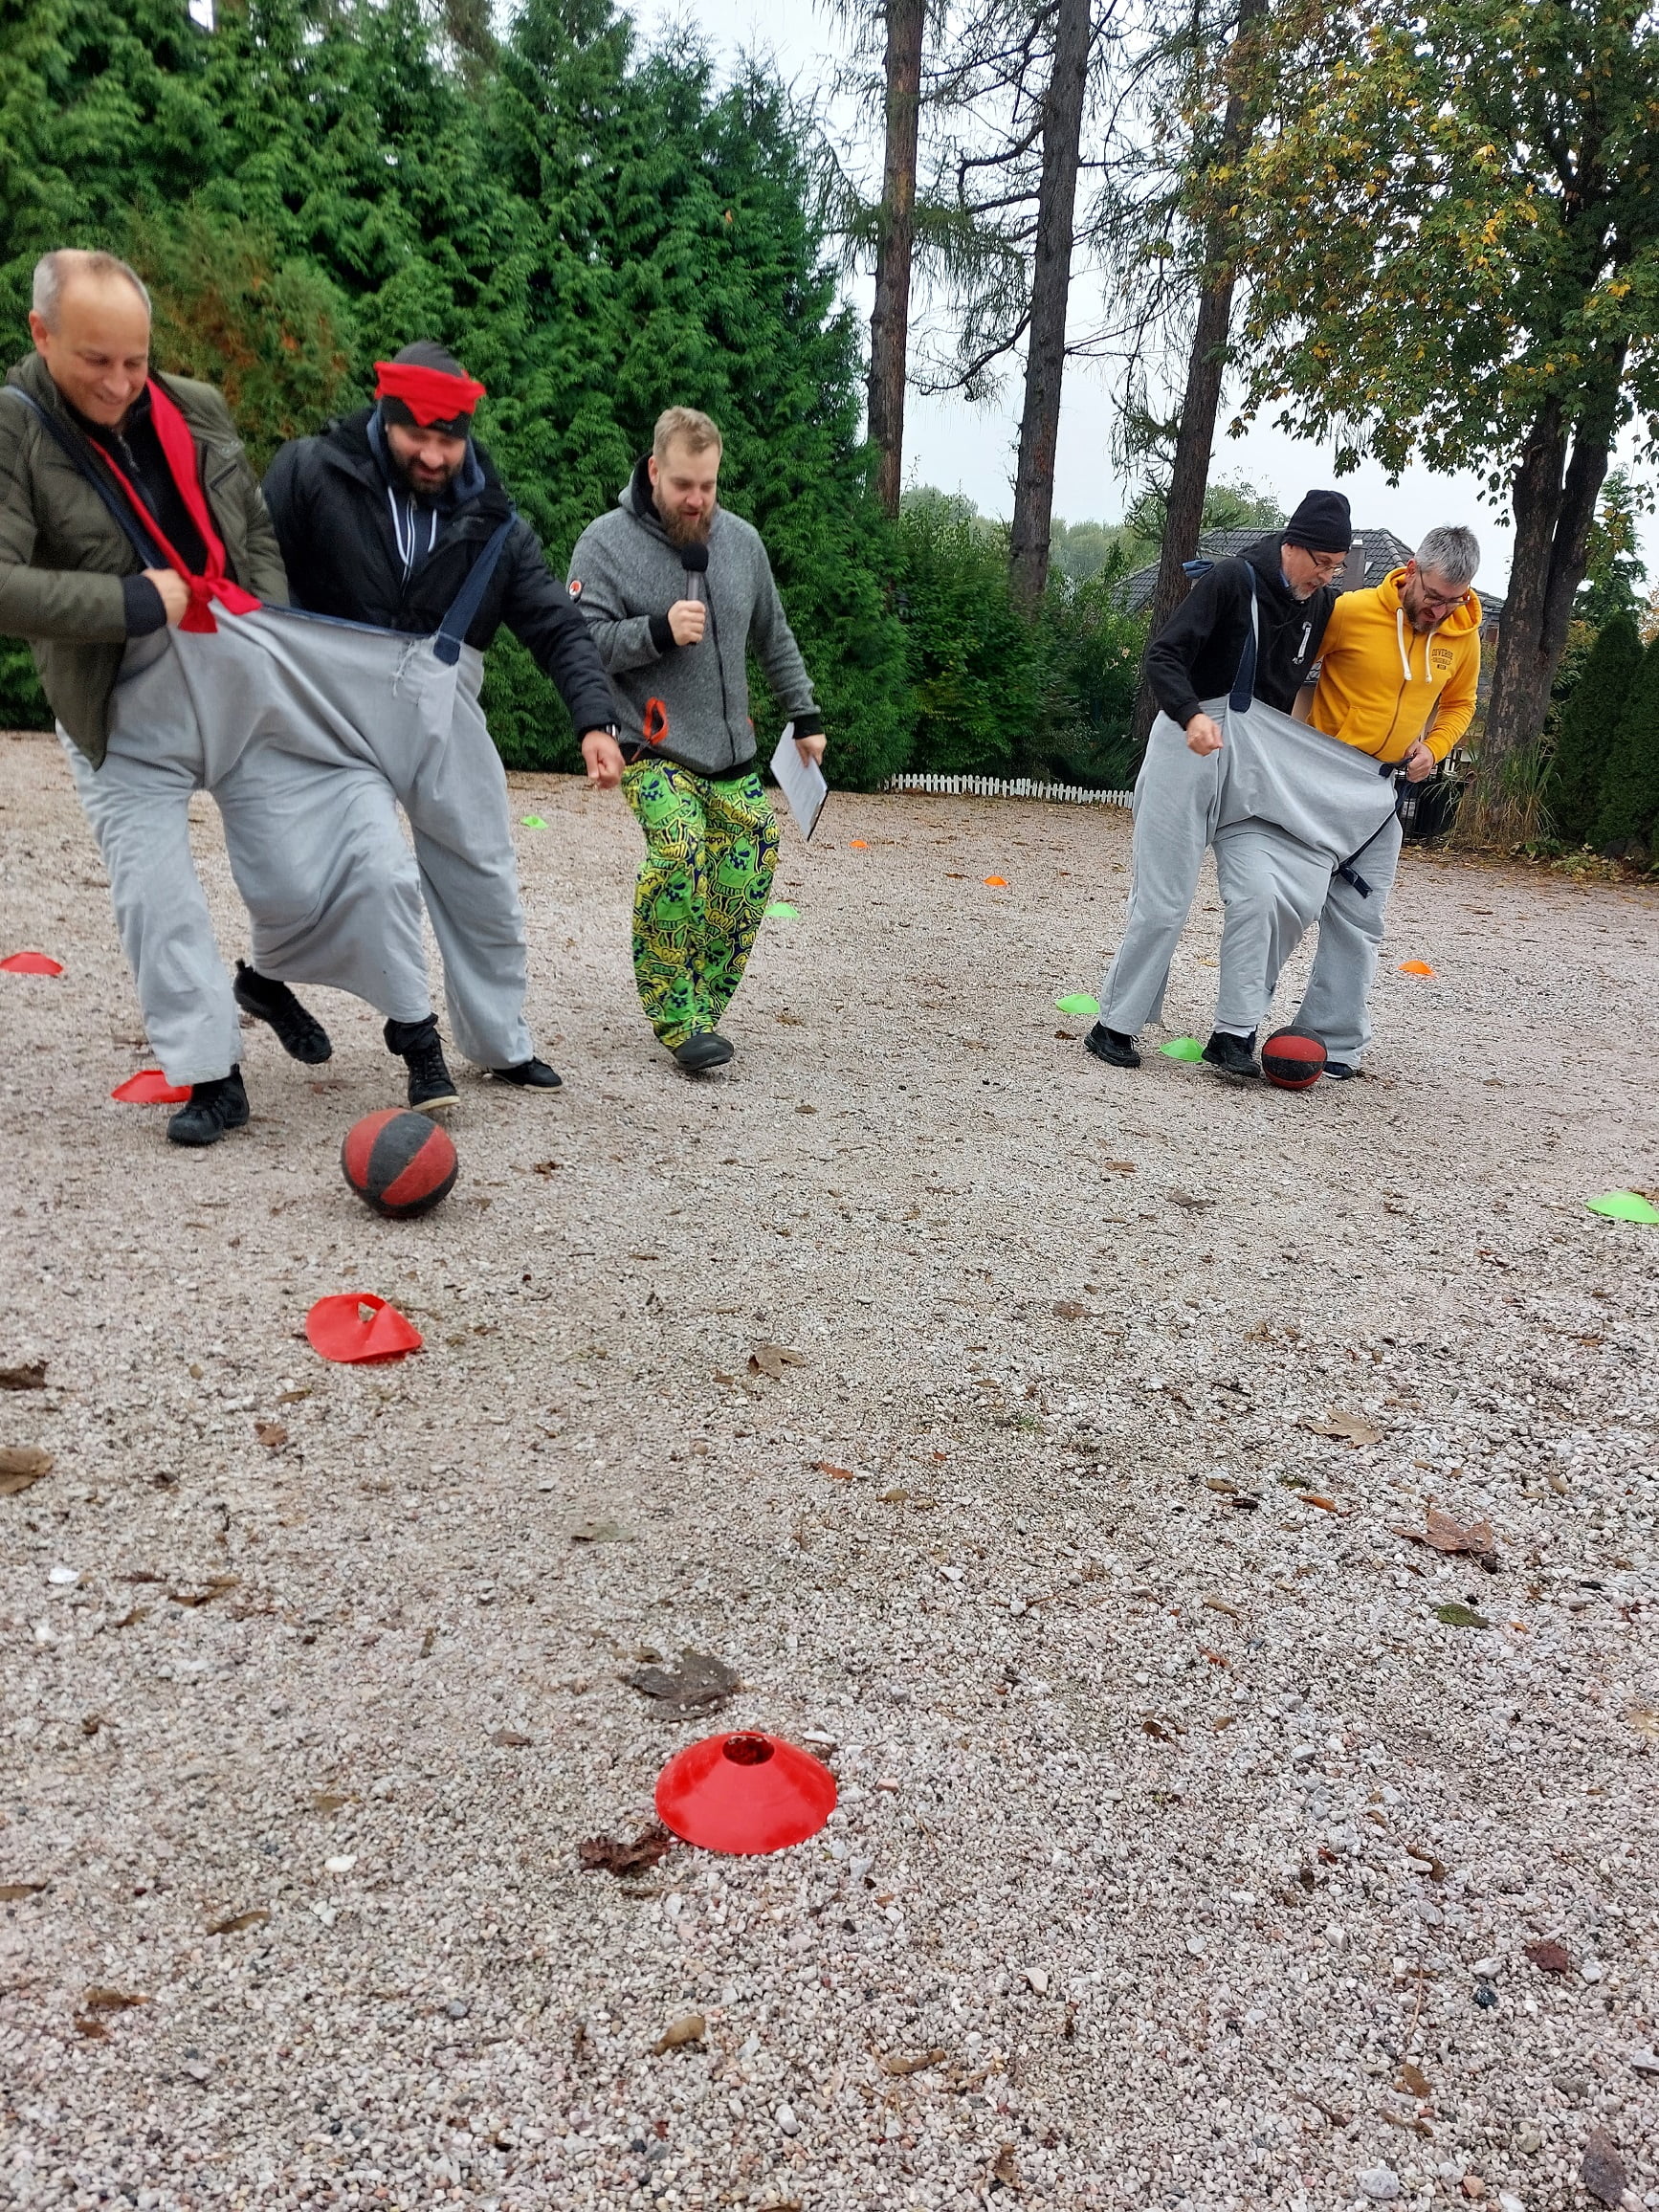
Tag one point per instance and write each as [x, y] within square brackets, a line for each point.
[1382, 684]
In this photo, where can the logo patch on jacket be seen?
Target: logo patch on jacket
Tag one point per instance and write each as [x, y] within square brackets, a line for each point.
[574, 587]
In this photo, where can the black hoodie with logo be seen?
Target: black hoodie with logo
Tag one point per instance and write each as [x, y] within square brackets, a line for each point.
[1196, 656]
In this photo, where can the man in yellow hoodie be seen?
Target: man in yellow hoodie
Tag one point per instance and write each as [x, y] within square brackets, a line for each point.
[1398, 671]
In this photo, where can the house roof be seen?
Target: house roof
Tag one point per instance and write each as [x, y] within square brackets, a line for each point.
[1379, 549]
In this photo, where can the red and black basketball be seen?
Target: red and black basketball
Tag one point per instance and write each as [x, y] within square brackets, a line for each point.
[1293, 1059]
[399, 1163]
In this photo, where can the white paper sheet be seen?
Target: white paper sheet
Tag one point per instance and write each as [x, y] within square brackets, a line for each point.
[801, 782]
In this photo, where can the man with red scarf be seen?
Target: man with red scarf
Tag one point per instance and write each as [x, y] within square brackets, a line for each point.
[395, 517]
[99, 458]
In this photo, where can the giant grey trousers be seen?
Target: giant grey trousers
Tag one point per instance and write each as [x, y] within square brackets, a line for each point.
[308, 733]
[1335, 1005]
[1284, 807]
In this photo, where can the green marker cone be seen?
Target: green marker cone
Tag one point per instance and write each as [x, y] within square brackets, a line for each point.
[1079, 1004]
[780, 911]
[532, 822]
[1624, 1206]
[1183, 1049]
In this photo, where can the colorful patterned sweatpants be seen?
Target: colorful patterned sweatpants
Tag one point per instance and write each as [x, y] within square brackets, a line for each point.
[711, 846]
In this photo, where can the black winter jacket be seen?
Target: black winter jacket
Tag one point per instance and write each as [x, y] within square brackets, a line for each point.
[1195, 657]
[327, 497]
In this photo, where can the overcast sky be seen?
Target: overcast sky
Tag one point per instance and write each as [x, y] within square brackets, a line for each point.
[971, 450]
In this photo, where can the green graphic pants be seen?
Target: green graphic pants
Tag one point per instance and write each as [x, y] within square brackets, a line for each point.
[710, 848]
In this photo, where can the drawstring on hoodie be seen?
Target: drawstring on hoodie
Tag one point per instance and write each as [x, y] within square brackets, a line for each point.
[406, 529]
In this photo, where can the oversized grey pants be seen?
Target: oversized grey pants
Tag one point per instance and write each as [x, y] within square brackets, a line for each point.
[1335, 1005]
[1176, 808]
[308, 735]
[1284, 806]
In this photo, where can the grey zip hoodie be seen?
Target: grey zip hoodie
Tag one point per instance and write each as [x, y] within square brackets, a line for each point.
[686, 702]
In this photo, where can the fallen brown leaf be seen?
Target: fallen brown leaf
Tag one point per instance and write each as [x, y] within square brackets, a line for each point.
[1184, 1198]
[238, 1921]
[1550, 1958]
[610, 1855]
[1004, 2169]
[293, 1397]
[1413, 2081]
[30, 1378]
[678, 2033]
[600, 1532]
[1068, 1310]
[772, 1359]
[111, 2001]
[1121, 1167]
[11, 1892]
[21, 1466]
[132, 1618]
[1436, 1866]
[1441, 1532]
[911, 2065]
[94, 2030]
[699, 1683]
[509, 1739]
[216, 1587]
[1165, 1732]
[1603, 2171]
[327, 1801]
[272, 1434]
[1221, 1606]
[1349, 1427]
[834, 1473]
[1645, 1723]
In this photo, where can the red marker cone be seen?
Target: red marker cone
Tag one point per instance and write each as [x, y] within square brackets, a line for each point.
[149, 1087]
[746, 1794]
[30, 964]
[360, 1326]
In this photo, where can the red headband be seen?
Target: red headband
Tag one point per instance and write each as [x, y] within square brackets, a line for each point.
[432, 396]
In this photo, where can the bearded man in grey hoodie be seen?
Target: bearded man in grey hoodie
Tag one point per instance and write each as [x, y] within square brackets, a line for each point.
[676, 589]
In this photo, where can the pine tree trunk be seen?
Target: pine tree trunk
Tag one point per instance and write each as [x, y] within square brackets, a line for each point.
[1200, 402]
[890, 322]
[1050, 295]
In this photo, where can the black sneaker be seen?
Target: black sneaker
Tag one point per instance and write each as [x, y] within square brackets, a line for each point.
[707, 1049]
[211, 1110]
[1340, 1071]
[1232, 1055]
[531, 1075]
[1113, 1047]
[301, 1035]
[431, 1085]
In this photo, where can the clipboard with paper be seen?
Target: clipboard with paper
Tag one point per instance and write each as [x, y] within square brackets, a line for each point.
[801, 782]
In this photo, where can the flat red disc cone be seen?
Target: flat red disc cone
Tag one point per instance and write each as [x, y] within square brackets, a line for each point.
[360, 1326]
[744, 1793]
[30, 964]
[149, 1087]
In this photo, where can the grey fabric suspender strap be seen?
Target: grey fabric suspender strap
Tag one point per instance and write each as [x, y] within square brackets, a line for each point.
[121, 512]
[452, 631]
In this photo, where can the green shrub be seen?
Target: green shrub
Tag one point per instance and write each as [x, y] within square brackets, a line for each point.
[1629, 802]
[1589, 716]
[22, 701]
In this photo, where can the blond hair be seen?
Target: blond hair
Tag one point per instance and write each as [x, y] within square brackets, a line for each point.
[53, 271]
[690, 427]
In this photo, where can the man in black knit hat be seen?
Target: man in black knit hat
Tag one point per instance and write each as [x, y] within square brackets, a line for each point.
[1275, 600]
[394, 517]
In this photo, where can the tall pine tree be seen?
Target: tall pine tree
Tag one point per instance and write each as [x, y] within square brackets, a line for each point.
[1589, 722]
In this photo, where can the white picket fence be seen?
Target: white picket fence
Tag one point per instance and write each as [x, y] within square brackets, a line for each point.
[1006, 787]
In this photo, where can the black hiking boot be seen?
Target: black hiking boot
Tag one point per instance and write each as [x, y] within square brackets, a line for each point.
[431, 1085]
[531, 1075]
[1113, 1047]
[707, 1049]
[1234, 1056]
[211, 1109]
[301, 1035]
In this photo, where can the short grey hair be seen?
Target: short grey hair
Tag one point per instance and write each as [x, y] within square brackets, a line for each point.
[53, 271]
[1452, 551]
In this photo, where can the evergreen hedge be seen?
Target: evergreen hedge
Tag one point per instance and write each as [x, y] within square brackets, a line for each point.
[1626, 822]
[1588, 722]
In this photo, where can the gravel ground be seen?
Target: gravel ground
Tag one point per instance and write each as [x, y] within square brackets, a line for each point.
[1191, 1852]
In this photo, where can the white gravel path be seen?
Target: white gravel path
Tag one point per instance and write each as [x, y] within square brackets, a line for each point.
[1200, 1852]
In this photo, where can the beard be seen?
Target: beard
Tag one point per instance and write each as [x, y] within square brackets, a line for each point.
[686, 529]
[427, 493]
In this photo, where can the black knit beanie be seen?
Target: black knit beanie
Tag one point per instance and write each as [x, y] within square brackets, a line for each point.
[1321, 524]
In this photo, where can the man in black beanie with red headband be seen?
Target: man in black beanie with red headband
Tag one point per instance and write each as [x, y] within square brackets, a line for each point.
[1279, 590]
[395, 517]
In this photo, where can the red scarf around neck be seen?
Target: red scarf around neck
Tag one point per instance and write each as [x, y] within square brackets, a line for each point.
[179, 451]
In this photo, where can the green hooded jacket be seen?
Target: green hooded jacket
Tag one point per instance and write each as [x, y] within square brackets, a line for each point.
[62, 558]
